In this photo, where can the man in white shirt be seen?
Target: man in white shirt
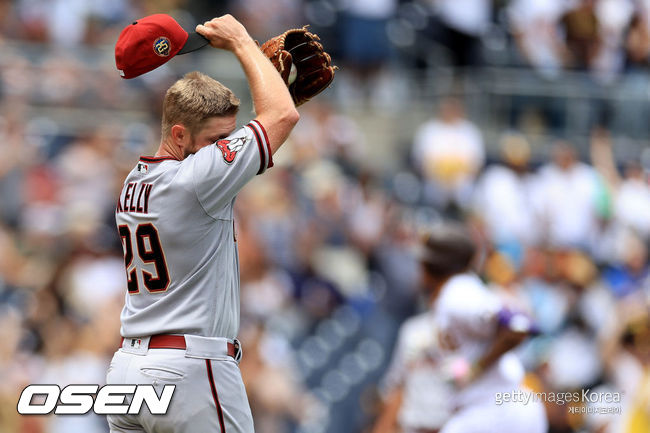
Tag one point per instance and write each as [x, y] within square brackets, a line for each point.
[449, 152]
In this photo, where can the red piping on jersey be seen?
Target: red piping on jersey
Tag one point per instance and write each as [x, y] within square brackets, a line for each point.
[215, 397]
[268, 143]
[259, 147]
[157, 158]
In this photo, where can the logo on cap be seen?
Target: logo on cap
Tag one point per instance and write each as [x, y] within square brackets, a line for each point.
[162, 46]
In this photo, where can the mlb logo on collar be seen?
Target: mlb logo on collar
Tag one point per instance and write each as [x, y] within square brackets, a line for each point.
[142, 167]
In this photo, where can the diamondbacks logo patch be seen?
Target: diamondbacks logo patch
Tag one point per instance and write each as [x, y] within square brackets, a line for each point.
[162, 46]
[229, 148]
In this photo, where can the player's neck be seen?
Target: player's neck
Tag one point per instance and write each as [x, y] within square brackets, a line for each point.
[436, 286]
[166, 149]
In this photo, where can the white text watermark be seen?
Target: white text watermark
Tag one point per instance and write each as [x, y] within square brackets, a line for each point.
[80, 399]
[591, 401]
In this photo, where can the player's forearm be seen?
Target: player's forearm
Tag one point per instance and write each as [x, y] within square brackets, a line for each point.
[505, 341]
[273, 104]
[386, 422]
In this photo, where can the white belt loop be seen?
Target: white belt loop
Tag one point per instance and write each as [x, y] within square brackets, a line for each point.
[206, 347]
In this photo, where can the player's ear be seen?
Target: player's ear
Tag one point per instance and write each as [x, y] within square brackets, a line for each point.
[180, 135]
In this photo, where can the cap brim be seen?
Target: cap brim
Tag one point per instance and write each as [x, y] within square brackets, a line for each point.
[194, 42]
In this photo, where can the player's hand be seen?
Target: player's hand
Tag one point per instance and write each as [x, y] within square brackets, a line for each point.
[224, 32]
[459, 372]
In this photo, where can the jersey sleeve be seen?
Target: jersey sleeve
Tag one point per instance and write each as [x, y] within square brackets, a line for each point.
[221, 169]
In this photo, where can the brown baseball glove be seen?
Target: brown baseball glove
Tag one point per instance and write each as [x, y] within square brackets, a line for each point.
[313, 66]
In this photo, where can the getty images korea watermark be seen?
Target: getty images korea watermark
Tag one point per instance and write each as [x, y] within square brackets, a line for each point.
[584, 401]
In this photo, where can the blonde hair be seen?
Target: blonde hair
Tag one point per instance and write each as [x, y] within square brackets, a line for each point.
[195, 98]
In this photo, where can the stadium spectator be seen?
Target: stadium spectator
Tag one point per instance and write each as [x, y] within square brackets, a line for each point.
[565, 197]
[448, 152]
[631, 192]
[534, 24]
[364, 41]
[637, 43]
[503, 196]
[626, 353]
[582, 31]
[460, 25]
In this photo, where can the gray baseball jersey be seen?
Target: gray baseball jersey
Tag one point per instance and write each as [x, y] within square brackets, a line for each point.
[175, 220]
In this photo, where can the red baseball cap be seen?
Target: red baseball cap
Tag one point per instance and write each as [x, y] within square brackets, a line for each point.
[152, 41]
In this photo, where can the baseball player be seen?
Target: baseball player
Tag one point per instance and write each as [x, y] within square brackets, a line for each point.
[475, 336]
[175, 219]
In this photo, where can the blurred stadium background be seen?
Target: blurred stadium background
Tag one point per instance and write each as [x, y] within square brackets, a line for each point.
[528, 118]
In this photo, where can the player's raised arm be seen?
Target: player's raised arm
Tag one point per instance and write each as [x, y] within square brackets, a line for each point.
[273, 104]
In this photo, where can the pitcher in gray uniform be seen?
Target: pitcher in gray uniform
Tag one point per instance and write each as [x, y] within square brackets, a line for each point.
[175, 219]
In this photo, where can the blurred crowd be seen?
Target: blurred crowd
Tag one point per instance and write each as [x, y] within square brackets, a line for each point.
[597, 35]
[326, 239]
